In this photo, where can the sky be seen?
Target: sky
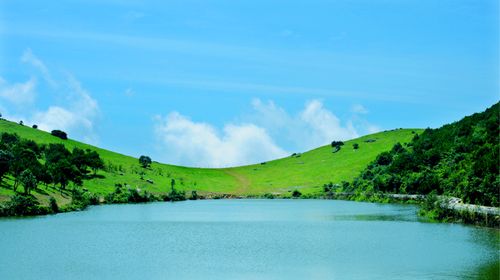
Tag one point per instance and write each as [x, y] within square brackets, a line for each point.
[225, 83]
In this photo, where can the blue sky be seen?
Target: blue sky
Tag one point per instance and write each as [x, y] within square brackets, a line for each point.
[218, 83]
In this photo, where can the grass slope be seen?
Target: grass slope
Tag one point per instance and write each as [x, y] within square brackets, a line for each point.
[306, 173]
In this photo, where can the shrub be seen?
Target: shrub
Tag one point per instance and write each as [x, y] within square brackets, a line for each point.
[60, 134]
[296, 193]
[53, 205]
[145, 161]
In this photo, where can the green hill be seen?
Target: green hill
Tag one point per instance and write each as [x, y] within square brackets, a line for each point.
[306, 172]
[458, 159]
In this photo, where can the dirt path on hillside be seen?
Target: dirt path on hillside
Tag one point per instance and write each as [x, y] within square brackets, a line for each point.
[243, 182]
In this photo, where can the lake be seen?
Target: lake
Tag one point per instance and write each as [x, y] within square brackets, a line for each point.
[243, 239]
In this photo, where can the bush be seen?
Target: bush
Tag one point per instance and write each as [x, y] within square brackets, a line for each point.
[355, 146]
[145, 161]
[194, 195]
[23, 205]
[60, 134]
[53, 205]
[296, 193]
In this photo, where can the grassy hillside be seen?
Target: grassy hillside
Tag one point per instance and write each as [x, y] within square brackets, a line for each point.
[307, 172]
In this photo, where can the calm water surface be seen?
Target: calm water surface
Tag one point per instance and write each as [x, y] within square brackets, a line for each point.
[243, 239]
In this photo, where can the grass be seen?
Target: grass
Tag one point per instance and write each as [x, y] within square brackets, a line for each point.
[306, 173]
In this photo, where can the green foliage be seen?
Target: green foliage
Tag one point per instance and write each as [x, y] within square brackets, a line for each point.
[59, 134]
[458, 159]
[145, 161]
[336, 145]
[296, 193]
[174, 195]
[6, 159]
[355, 146]
[125, 194]
[194, 195]
[22, 205]
[28, 180]
[53, 205]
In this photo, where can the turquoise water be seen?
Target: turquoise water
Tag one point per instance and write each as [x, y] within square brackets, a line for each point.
[242, 239]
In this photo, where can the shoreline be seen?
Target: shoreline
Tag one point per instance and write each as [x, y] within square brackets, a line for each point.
[446, 209]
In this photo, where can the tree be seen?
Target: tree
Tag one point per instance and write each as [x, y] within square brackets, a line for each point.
[5, 162]
[60, 134]
[80, 160]
[145, 161]
[94, 161]
[28, 180]
[55, 153]
[35, 126]
[355, 146]
[172, 185]
[296, 193]
[63, 172]
[9, 139]
[336, 145]
[22, 159]
[53, 205]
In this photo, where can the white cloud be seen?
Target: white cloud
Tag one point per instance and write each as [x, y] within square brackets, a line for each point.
[311, 127]
[322, 126]
[359, 109]
[30, 58]
[18, 93]
[194, 143]
[183, 141]
[76, 116]
[71, 108]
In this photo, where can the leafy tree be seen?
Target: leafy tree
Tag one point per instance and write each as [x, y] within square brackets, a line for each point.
[94, 161]
[60, 134]
[9, 139]
[145, 161]
[55, 153]
[336, 145]
[53, 205]
[28, 180]
[80, 160]
[172, 185]
[23, 159]
[5, 162]
[355, 146]
[63, 172]
[296, 193]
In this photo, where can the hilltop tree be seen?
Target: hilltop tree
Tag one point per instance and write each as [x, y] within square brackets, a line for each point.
[145, 161]
[60, 134]
[336, 145]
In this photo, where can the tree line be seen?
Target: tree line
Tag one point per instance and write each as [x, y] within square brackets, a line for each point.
[458, 159]
[31, 164]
